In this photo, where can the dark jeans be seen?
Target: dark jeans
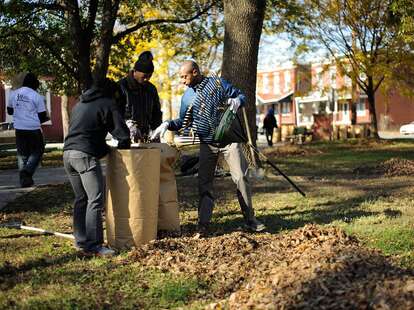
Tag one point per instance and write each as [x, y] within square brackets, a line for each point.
[269, 136]
[85, 175]
[30, 148]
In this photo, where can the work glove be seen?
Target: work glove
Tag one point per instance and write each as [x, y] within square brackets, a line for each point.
[134, 130]
[234, 104]
[160, 130]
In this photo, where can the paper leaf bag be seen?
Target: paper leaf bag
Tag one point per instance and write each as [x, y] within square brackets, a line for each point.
[132, 182]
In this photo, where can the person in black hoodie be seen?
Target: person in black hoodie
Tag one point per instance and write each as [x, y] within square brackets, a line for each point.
[92, 118]
[139, 98]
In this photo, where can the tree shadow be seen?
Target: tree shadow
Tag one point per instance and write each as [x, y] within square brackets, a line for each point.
[43, 262]
[362, 280]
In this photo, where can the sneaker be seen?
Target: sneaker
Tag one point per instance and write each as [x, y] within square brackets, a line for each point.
[104, 252]
[203, 229]
[25, 179]
[255, 225]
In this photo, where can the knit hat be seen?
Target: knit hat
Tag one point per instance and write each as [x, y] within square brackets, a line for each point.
[144, 63]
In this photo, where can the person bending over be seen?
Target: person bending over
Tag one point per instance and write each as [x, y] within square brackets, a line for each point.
[92, 118]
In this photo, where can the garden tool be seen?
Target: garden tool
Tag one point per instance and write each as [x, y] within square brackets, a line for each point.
[20, 225]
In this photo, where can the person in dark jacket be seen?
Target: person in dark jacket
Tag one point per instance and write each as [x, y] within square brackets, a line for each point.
[92, 118]
[139, 100]
[269, 124]
[28, 109]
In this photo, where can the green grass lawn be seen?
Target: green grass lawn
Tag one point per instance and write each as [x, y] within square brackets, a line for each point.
[45, 272]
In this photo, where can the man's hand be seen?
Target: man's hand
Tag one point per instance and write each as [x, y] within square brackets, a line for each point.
[160, 131]
[234, 104]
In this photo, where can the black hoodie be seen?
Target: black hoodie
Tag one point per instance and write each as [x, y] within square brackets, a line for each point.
[91, 120]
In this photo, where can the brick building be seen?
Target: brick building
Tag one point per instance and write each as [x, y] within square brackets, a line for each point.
[302, 94]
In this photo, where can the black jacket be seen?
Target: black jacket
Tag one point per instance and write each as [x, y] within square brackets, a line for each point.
[91, 120]
[140, 102]
[269, 122]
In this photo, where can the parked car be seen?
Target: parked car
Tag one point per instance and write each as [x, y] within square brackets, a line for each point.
[407, 129]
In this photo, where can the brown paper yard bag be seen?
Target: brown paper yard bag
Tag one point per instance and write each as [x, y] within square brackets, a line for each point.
[132, 179]
[168, 213]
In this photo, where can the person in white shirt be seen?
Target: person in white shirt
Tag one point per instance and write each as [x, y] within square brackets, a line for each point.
[28, 109]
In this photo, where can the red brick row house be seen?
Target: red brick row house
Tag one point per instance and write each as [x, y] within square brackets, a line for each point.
[300, 93]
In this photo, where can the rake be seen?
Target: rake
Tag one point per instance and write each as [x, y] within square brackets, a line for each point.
[20, 225]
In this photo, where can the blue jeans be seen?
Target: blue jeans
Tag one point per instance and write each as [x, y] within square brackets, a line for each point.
[30, 148]
[85, 176]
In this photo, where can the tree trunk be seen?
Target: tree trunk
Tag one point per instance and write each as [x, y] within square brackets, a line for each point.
[372, 110]
[104, 49]
[81, 44]
[243, 21]
[65, 115]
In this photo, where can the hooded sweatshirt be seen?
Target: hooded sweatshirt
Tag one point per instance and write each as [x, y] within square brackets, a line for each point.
[91, 120]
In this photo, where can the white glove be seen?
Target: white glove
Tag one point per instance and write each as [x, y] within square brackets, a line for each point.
[160, 131]
[234, 104]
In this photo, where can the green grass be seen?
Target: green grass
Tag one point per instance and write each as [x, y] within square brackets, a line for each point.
[44, 272]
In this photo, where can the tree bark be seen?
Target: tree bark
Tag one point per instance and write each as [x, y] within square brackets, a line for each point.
[104, 49]
[372, 110]
[243, 21]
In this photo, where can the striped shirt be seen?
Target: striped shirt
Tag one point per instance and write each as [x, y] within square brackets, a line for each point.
[203, 105]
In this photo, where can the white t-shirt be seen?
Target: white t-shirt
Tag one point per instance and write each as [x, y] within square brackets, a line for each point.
[26, 103]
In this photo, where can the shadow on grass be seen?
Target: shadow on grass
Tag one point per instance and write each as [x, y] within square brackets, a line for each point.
[42, 262]
[48, 199]
[288, 218]
[363, 280]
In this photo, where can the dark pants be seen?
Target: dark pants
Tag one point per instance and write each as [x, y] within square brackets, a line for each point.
[85, 175]
[269, 136]
[30, 148]
[238, 166]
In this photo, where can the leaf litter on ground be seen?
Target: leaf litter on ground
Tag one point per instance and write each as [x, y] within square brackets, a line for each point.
[392, 167]
[311, 267]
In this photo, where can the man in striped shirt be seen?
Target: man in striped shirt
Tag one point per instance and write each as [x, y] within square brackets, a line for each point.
[194, 98]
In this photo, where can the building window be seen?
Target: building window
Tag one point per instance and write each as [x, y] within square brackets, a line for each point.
[276, 83]
[360, 108]
[287, 81]
[286, 108]
[266, 89]
[332, 73]
[319, 79]
[344, 108]
[276, 108]
[347, 81]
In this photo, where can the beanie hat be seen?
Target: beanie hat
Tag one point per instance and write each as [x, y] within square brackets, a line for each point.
[144, 63]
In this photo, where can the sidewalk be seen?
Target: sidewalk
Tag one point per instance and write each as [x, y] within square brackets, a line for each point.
[9, 182]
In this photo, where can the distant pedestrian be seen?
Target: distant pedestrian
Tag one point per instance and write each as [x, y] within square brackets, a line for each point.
[269, 124]
[92, 118]
[28, 109]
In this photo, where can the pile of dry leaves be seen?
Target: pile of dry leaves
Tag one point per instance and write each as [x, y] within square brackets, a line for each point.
[311, 267]
[290, 150]
[389, 168]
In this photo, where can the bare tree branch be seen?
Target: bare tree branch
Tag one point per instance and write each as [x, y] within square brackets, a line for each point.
[122, 34]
